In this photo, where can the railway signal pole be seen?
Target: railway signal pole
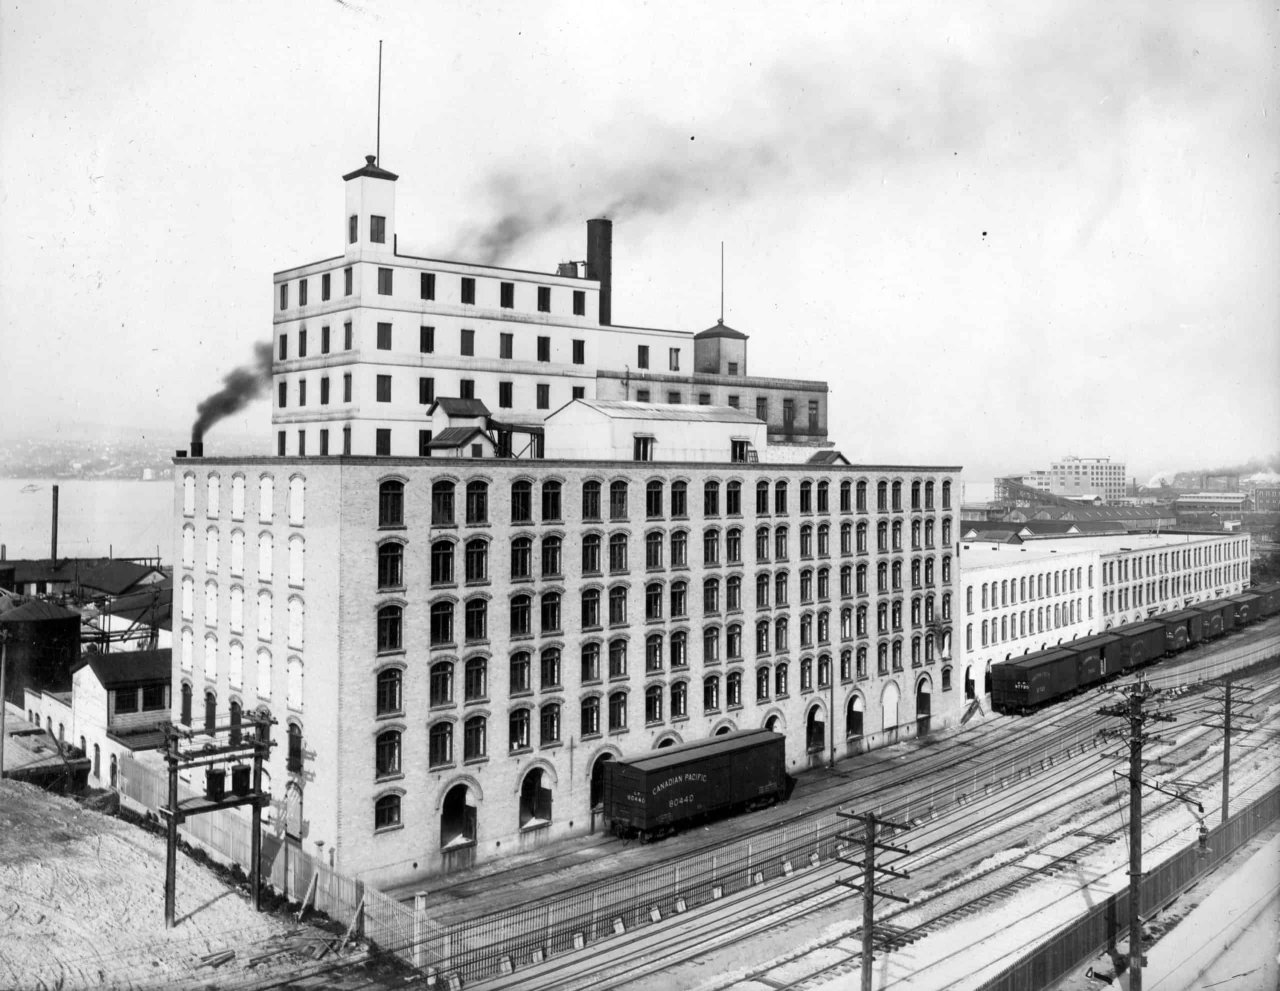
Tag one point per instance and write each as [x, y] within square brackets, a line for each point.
[867, 886]
[1132, 709]
[1227, 715]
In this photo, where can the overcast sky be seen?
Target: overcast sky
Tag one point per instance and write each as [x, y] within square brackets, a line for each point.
[1002, 232]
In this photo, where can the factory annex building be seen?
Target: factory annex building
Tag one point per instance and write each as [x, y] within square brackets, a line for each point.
[532, 542]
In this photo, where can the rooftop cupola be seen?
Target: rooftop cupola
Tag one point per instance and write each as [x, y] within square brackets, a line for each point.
[371, 209]
[720, 350]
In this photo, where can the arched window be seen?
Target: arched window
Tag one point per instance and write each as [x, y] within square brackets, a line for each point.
[390, 565]
[733, 689]
[591, 500]
[711, 693]
[618, 553]
[618, 500]
[679, 500]
[475, 738]
[520, 680]
[549, 724]
[551, 511]
[551, 557]
[618, 710]
[391, 503]
[210, 711]
[780, 497]
[653, 704]
[780, 679]
[440, 744]
[518, 730]
[679, 549]
[386, 812]
[387, 754]
[590, 716]
[762, 684]
[293, 753]
[477, 503]
[390, 628]
[389, 688]
[653, 500]
[653, 549]
[521, 557]
[549, 669]
[618, 605]
[522, 501]
[442, 683]
[711, 499]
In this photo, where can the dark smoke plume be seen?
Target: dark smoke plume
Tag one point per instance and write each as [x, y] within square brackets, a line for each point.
[240, 386]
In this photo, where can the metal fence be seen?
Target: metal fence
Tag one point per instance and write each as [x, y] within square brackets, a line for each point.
[1104, 925]
[285, 866]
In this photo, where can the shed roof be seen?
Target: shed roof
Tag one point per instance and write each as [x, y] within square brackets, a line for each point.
[122, 668]
[452, 437]
[828, 458]
[111, 576]
[618, 409]
[37, 610]
[459, 407]
[721, 329]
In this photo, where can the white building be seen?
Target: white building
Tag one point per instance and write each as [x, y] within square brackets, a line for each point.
[1074, 476]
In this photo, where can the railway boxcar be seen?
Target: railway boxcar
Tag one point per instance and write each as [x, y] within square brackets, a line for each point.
[1023, 683]
[1218, 615]
[1248, 607]
[1141, 643]
[1182, 629]
[1270, 596]
[662, 790]
[1107, 647]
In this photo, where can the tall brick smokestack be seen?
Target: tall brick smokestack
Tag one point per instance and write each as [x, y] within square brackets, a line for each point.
[600, 263]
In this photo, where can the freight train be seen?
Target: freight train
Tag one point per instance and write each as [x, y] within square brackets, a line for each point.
[667, 789]
[1024, 683]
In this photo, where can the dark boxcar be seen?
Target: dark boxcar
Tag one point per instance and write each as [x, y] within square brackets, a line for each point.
[1107, 648]
[661, 790]
[1182, 629]
[1217, 615]
[1088, 662]
[1023, 683]
[1247, 606]
[1270, 599]
[1141, 643]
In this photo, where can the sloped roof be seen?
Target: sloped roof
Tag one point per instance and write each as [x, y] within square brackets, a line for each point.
[122, 668]
[720, 330]
[36, 610]
[618, 409]
[455, 437]
[111, 576]
[157, 598]
[828, 458]
[371, 169]
[459, 407]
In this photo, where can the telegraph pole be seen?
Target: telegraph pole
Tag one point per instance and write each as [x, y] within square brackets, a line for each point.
[1138, 694]
[867, 886]
[1227, 714]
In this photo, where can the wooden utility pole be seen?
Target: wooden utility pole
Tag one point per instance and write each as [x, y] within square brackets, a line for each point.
[226, 745]
[1138, 694]
[1228, 715]
[4, 659]
[867, 886]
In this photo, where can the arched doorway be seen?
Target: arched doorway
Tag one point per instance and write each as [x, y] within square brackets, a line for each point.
[771, 724]
[113, 770]
[457, 818]
[723, 730]
[853, 718]
[969, 688]
[889, 710]
[923, 709]
[535, 799]
[815, 730]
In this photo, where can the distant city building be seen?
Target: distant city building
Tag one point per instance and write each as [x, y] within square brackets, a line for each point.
[1212, 502]
[1266, 499]
[1074, 476]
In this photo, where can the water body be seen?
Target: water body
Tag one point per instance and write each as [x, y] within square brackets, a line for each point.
[95, 518]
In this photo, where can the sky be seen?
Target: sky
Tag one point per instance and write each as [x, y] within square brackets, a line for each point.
[1003, 233]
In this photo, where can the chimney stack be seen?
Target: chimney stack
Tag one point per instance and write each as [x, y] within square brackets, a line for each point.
[53, 541]
[600, 263]
[197, 443]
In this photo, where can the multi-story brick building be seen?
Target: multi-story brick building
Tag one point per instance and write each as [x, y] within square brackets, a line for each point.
[614, 540]
[1073, 476]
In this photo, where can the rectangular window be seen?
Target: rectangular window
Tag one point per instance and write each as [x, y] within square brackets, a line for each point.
[506, 345]
[733, 401]
[468, 290]
[579, 303]
[506, 295]
[544, 396]
[302, 392]
[302, 443]
[324, 287]
[733, 368]
[384, 337]
[642, 448]
[424, 443]
[673, 398]
[384, 282]
[377, 229]
[353, 228]
[382, 442]
[302, 343]
[468, 342]
[324, 340]
[302, 292]
[324, 442]
[762, 408]
[280, 443]
[673, 359]
[347, 336]
[642, 356]
[504, 395]
[346, 388]
[427, 285]
[544, 299]
[579, 352]
[813, 416]
[284, 295]
[544, 348]
[384, 388]
[579, 392]
[324, 391]
[284, 395]
[788, 413]
[642, 395]
[466, 388]
[426, 340]
[738, 451]
[704, 399]
[347, 280]
[284, 347]
[426, 391]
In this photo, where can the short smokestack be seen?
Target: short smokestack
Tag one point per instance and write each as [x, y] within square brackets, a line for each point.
[600, 263]
[197, 448]
[53, 537]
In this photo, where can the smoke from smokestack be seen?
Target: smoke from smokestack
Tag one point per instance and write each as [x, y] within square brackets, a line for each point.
[240, 386]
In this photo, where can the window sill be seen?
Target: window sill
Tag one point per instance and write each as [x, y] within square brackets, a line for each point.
[434, 768]
[621, 731]
[520, 751]
[379, 830]
[383, 779]
[553, 745]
